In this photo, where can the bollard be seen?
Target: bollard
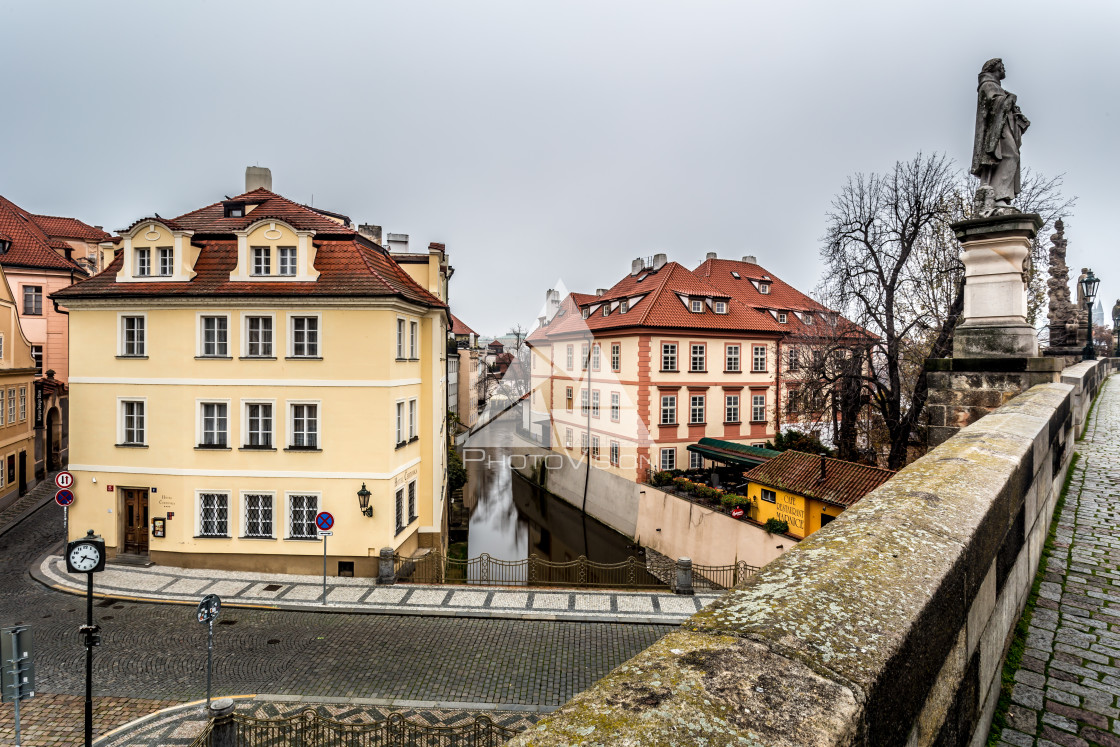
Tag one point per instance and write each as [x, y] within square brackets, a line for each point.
[386, 572]
[224, 732]
[684, 577]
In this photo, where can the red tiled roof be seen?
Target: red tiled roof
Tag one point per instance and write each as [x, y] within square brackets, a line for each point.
[347, 268]
[31, 245]
[796, 472]
[211, 219]
[458, 328]
[69, 228]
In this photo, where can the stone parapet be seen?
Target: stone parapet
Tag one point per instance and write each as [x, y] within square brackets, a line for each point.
[887, 627]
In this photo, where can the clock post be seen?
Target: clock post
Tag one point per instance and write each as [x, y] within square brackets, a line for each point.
[87, 555]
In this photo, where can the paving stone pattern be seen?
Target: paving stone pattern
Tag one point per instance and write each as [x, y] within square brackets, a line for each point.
[158, 651]
[53, 719]
[1066, 691]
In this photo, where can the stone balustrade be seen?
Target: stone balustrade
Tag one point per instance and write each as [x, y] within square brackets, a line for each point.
[888, 627]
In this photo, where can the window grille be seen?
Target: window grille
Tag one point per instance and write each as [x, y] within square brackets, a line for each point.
[301, 516]
[214, 514]
[258, 515]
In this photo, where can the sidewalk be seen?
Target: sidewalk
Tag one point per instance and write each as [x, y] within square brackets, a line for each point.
[362, 595]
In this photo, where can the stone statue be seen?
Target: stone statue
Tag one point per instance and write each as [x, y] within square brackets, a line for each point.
[1081, 293]
[1061, 313]
[995, 152]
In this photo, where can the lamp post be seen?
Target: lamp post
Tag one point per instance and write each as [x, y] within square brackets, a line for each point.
[1089, 291]
[363, 501]
[1116, 326]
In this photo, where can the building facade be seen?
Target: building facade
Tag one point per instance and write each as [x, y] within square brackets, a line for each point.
[17, 388]
[245, 366]
[633, 374]
[42, 254]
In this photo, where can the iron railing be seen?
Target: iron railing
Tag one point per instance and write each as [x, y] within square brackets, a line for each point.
[721, 576]
[311, 729]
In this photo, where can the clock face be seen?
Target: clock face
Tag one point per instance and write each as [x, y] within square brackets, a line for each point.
[85, 557]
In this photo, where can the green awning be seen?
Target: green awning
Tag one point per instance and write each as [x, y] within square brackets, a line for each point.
[729, 452]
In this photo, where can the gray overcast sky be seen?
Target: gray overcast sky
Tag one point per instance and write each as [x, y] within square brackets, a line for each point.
[547, 140]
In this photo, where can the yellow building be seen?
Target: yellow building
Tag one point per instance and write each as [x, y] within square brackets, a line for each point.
[807, 491]
[240, 368]
[17, 418]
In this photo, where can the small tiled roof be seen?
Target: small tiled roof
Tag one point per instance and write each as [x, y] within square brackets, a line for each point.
[69, 228]
[458, 328]
[730, 452]
[211, 219]
[796, 472]
[31, 245]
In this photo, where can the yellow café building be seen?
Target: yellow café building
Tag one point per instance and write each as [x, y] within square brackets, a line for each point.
[240, 368]
[808, 491]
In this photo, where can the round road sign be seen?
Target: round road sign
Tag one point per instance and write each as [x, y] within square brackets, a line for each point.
[209, 608]
[64, 497]
[324, 520]
[737, 512]
[64, 480]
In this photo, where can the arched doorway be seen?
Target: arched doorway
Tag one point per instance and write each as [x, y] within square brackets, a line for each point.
[54, 439]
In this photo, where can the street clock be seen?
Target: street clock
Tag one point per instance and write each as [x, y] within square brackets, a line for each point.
[86, 555]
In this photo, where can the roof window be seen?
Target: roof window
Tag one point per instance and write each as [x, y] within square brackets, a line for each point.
[807, 318]
[643, 277]
[721, 307]
[5, 245]
[235, 209]
[586, 312]
[624, 306]
[696, 305]
[783, 317]
[764, 288]
[606, 309]
[735, 275]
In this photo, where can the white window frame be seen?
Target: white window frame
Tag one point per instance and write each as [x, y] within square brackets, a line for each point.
[668, 407]
[200, 342]
[400, 518]
[614, 453]
[697, 409]
[413, 498]
[698, 353]
[142, 253]
[737, 358]
[595, 447]
[764, 288]
[584, 355]
[402, 325]
[3, 419]
[198, 511]
[758, 355]
[256, 253]
[244, 501]
[200, 426]
[245, 421]
[37, 299]
[616, 356]
[289, 441]
[596, 356]
[413, 340]
[695, 461]
[12, 405]
[22, 403]
[245, 318]
[568, 440]
[669, 355]
[1, 347]
[121, 420]
[413, 419]
[168, 253]
[596, 400]
[288, 495]
[291, 317]
[696, 305]
[721, 307]
[794, 362]
[121, 316]
[584, 402]
[569, 399]
[36, 359]
[783, 317]
[758, 407]
[281, 252]
[668, 458]
[571, 356]
[616, 406]
[731, 408]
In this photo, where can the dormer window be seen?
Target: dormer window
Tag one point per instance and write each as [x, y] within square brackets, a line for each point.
[735, 275]
[5, 245]
[143, 262]
[235, 210]
[287, 257]
[586, 313]
[764, 288]
[166, 261]
[696, 305]
[262, 260]
[606, 309]
[624, 306]
[721, 307]
[807, 318]
[783, 317]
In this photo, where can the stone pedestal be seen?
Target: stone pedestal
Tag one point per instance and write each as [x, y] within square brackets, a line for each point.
[995, 253]
[963, 390]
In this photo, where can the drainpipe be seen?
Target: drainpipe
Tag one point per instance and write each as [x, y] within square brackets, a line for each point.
[778, 389]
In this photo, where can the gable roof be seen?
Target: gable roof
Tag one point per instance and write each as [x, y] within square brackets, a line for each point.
[796, 472]
[70, 228]
[212, 218]
[31, 245]
[458, 328]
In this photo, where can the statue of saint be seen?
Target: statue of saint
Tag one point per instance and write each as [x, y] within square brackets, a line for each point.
[1116, 313]
[999, 133]
[1080, 292]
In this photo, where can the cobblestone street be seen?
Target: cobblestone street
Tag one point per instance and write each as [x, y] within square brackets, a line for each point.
[158, 652]
[1067, 687]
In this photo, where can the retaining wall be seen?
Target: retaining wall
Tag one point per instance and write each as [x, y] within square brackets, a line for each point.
[888, 627]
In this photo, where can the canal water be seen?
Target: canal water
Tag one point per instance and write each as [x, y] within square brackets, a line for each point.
[510, 518]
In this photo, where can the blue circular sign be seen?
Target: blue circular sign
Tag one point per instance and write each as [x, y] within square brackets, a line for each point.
[64, 497]
[324, 520]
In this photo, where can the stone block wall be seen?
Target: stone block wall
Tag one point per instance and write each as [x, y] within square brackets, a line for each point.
[887, 627]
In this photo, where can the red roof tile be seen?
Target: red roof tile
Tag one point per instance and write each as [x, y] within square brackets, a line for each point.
[69, 228]
[843, 484]
[458, 328]
[31, 246]
[211, 219]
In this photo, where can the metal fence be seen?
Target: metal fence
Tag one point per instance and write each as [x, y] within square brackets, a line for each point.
[654, 572]
[310, 729]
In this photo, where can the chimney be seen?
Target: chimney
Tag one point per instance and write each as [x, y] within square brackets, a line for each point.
[600, 291]
[436, 248]
[371, 232]
[822, 467]
[257, 177]
[100, 228]
[398, 242]
[659, 261]
[710, 255]
[750, 259]
[637, 266]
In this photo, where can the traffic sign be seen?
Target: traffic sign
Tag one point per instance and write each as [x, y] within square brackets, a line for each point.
[209, 608]
[737, 512]
[64, 497]
[325, 534]
[324, 520]
[64, 480]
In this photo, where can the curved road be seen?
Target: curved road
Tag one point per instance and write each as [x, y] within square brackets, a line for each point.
[159, 652]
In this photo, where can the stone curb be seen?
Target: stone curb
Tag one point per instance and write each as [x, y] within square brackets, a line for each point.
[139, 723]
[37, 573]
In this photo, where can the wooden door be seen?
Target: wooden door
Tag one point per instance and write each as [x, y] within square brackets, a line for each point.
[135, 521]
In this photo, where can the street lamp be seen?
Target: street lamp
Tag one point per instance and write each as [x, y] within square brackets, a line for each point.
[363, 501]
[1116, 325]
[1089, 291]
